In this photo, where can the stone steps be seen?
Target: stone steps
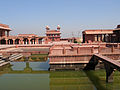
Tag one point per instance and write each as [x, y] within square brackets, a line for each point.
[15, 57]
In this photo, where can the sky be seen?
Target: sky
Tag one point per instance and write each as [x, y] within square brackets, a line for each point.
[74, 16]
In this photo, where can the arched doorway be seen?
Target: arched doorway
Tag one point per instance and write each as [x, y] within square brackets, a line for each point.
[17, 41]
[40, 41]
[25, 40]
[10, 41]
[32, 41]
[3, 41]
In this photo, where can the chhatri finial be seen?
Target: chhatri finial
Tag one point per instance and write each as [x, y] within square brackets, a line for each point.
[58, 27]
[47, 27]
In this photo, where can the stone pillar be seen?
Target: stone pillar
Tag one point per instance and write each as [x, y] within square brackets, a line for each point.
[13, 41]
[7, 33]
[37, 41]
[22, 41]
[3, 33]
[29, 41]
[6, 41]
[19, 41]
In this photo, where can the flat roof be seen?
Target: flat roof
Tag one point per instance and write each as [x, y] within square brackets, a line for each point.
[98, 31]
[4, 26]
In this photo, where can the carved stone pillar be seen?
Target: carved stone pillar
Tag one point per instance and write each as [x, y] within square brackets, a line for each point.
[29, 41]
[6, 41]
[21, 41]
[37, 40]
[7, 33]
[13, 41]
[3, 33]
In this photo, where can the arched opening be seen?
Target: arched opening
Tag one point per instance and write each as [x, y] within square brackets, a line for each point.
[10, 41]
[25, 40]
[3, 41]
[17, 41]
[40, 41]
[32, 41]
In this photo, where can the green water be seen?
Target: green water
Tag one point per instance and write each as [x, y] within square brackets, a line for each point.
[34, 76]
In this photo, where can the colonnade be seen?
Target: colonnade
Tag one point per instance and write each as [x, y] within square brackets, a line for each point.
[21, 41]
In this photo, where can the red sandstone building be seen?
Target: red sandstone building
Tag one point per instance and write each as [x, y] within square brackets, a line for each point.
[96, 35]
[117, 34]
[89, 36]
[52, 35]
[102, 35]
[5, 38]
[4, 30]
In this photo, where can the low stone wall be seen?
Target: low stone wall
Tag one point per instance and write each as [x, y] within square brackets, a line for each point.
[54, 67]
[62, 57]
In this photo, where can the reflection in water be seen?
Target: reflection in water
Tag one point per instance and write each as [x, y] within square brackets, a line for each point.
[70, 80]
[32, 65]
[18, 65]
[30, 76]
[24, 82]
[40, 65]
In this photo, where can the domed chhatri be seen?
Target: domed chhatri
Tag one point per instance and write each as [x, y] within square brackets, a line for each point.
[118, 26]
[58, 27]
[53, 35]
[47, 27]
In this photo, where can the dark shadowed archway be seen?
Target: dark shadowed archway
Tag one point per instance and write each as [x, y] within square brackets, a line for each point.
[32, 41]
[17, 41]
[3, 41]
[10, 41]
[40, 41]
[25, 40]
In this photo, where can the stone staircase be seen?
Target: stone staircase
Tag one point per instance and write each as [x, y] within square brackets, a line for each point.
[15, 56]
[3, 61]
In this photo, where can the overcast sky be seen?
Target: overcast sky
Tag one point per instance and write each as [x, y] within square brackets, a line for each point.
[74, 16]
